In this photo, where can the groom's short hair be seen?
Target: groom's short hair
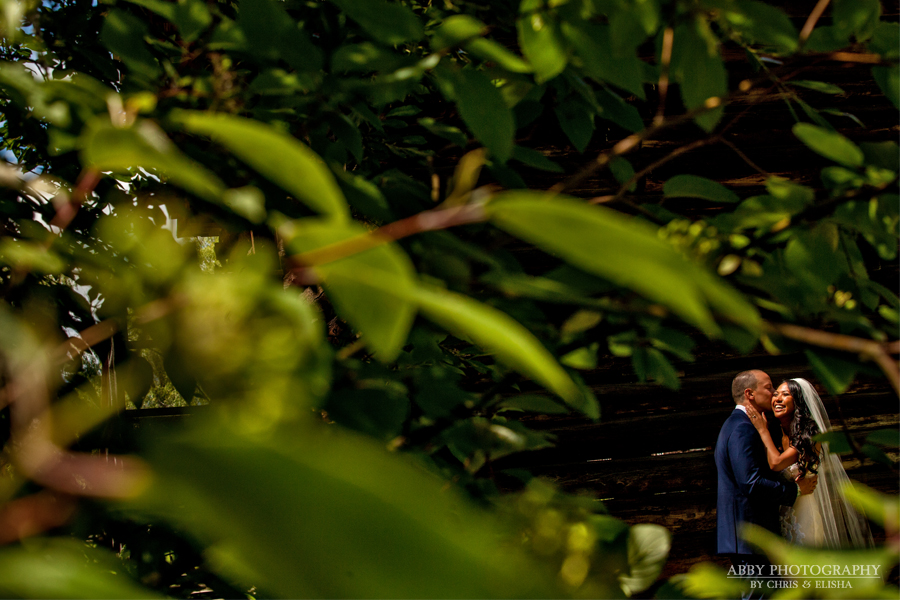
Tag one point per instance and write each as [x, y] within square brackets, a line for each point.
[742, 381]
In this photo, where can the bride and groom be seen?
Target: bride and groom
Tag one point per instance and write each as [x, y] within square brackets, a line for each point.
[773, 474]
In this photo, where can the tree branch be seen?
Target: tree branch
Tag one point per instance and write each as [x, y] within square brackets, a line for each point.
[876, 351]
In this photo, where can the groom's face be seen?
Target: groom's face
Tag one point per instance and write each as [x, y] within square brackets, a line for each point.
[762, 395]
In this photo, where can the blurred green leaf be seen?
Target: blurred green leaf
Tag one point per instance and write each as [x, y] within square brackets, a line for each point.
[698, 67]
[484, 111]
[856, 18]
[61, 568]
[534, 403]
[190, 16]
[120, 149]
[691, 186]
[124, 35]
[388, 22]
[593, 44]
[279, 157]
[614, 109]
[764, 24]
[819, 86]
[577, 121]
[495, 331]
[888, 79]
[882, 509]
[469, 31]
[837, 441]
[541, 40]
[884, 437]
[589, 236]
[829, 144]
[648, 548]
[372, 288]
[835, 373]
[535, 159]
[411, 537]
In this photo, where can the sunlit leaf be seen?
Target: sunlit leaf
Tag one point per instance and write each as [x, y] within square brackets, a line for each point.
[829, 144]
[120, 149]
[372, 288]
[279, 157]
[541, 40]
[498, 333]
[412, 538]
[648, 548]
[622, 250]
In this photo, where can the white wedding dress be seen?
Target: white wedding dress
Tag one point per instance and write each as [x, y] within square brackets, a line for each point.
[824, 518]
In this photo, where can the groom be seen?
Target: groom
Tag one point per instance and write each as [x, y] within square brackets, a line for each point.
[749, 491]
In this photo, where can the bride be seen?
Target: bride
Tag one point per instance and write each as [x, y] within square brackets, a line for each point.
[823, 518]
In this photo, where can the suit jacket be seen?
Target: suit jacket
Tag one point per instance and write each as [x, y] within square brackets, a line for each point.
[748, 490]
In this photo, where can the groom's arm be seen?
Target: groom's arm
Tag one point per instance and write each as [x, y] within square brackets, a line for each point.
[751, 477]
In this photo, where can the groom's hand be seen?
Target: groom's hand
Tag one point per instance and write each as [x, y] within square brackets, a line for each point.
[807, 484]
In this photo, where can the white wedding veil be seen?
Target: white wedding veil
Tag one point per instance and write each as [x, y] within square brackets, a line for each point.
[843, 526]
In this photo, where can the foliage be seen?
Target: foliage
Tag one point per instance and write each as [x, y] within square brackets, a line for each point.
[381, 268]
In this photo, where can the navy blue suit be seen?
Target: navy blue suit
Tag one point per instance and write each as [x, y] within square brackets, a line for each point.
[749, 491]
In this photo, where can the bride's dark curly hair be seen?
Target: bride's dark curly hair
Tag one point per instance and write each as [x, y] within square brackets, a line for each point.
[802, 429]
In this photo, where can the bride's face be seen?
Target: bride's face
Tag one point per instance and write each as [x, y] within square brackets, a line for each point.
[782, 402]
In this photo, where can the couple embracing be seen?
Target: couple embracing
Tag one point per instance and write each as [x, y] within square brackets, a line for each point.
[773, 474]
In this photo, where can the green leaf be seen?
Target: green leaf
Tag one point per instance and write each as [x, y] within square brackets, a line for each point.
[829, 144]
[584, 358]
[837, 441]
[623, 250]
[388, 22]
[376, 412]
[819, 86]
[764, 24]
[886, 40]
[271, 34]
[485, 113]
[622, 170]
[190, 16]
[411, 537]
[64, 568]
[884, 437]
[123, 34]
[498, 333]
[888, 79]
[534, 403]
[835, 374]
[593, 45]
[281, 158]
[372, 289]
[691, 186]
[119, 149]
[535, 159]
[469, 31]
[878, 455]
[881, 509]
[577, 121]
[614, 109]
[541, 40]
[857, 18]
[448, 132]
[698, 67]
[648, 548]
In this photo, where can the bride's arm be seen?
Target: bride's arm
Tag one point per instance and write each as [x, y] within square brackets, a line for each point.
[777, 460]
